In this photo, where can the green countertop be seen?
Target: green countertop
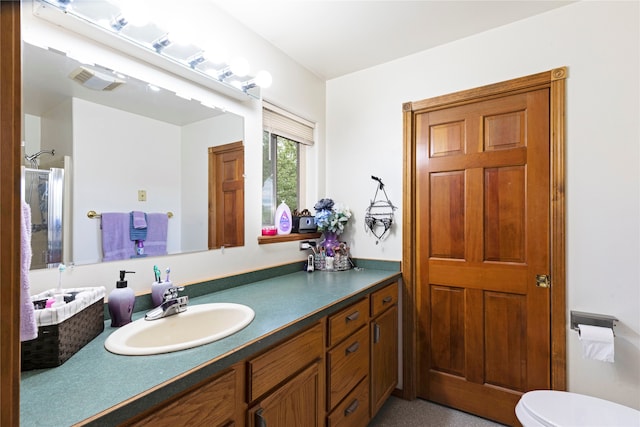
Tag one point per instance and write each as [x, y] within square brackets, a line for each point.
[94, 381]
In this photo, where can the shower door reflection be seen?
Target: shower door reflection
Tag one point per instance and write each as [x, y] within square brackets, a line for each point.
[43, 191]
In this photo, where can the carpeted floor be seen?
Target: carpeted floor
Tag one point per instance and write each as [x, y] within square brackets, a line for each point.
[420, 413]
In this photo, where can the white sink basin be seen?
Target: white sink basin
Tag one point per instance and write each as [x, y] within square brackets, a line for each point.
[200, 324]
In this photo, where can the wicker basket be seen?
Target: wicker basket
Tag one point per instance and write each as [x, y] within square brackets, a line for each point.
[56, 343]
[340, 263]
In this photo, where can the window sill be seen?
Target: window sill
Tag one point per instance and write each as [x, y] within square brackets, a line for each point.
[264, 240]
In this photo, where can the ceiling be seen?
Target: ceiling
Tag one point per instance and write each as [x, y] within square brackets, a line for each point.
[332, 38]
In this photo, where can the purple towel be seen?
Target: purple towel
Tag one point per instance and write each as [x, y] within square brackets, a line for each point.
[138, 232]
[157, 228]
[115, 236]
[139, 219]
[28, 324]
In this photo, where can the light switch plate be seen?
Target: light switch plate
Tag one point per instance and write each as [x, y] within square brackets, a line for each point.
[142, 195]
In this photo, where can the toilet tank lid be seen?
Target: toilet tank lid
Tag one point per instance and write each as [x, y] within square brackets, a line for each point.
[560, 408]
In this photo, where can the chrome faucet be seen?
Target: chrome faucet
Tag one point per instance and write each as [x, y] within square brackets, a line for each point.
[171, 304]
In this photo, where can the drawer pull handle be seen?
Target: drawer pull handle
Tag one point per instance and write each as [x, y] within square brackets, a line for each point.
[352, 408]
[353, 316]
[387, 299]
[259, 419]
[352, 348]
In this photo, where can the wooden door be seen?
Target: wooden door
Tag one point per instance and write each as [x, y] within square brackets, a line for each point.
[483, 234]
[226, 195]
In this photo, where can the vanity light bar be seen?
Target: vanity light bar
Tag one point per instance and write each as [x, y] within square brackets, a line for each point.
[61, 12]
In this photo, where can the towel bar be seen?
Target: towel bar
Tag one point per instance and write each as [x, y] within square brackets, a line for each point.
[94, 214]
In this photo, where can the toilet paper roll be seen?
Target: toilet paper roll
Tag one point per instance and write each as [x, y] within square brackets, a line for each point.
[597, 343]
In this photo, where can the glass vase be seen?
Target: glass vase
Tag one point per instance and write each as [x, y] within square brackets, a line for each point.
[330, 242]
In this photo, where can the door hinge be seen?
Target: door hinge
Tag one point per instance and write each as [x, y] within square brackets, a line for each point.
[543, 281]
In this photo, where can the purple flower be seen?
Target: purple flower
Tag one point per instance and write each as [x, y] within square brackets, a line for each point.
[331, 217]
[323, 205]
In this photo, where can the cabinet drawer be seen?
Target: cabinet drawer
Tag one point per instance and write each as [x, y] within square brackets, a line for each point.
[347, 364]
[354, 410]
[276, 365]
[384, 298]
[347, 321]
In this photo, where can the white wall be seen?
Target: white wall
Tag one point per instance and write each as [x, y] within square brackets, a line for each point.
[105, 180]
[599, 42]
[56, 131]
[196, 140]
[31, 139]
[294, 88]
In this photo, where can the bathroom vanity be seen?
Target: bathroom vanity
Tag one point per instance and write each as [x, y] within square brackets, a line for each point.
[322, 349]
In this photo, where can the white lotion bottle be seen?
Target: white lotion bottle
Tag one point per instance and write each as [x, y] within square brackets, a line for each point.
[283, 219]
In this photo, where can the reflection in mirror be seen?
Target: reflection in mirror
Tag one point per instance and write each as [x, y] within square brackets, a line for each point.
[115, 139]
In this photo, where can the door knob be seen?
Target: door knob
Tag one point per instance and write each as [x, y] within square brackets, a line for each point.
[543, 281]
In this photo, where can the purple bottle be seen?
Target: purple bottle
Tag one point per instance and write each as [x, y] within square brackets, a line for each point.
[121, 302]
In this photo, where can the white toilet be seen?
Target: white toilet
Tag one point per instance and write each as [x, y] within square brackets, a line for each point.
[550, 408]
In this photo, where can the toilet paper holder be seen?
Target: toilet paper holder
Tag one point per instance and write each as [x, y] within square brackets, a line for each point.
[593, 319]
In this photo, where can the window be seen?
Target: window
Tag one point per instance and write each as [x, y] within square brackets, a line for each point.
[283, 141]
[280, 174]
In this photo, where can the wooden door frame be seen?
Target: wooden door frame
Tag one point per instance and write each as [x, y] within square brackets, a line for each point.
[554, 80]
[10, 211]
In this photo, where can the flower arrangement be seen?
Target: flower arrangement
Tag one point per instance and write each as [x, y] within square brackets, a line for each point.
[330, 216]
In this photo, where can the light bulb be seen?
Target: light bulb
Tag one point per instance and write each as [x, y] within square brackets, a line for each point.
[136, 12]
[215, 54]
[181, 32]
[239, 66]
[263, 79]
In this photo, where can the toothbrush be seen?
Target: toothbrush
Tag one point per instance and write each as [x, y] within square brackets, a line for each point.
[156, 272]
[168, 270]
[61, 268]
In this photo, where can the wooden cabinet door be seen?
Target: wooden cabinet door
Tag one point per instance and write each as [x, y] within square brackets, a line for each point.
[296, 403]
[384, 357]
[483, 194]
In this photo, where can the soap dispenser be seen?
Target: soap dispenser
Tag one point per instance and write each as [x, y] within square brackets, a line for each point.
[121, 302]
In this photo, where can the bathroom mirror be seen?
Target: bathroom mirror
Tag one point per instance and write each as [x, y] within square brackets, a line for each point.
[122, 146]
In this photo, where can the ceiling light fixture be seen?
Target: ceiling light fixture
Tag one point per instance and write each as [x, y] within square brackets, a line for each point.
[196, 59]
[126, 27]
[160, 43]
[119, 22]
[263, 80]
[238, 67]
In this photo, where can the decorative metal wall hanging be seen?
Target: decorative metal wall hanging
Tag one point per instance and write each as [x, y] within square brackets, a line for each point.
[379, 215]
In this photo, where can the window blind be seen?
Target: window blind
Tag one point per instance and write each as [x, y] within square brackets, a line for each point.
[281, 122]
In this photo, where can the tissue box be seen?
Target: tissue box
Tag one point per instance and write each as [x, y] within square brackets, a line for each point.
[62, 331]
